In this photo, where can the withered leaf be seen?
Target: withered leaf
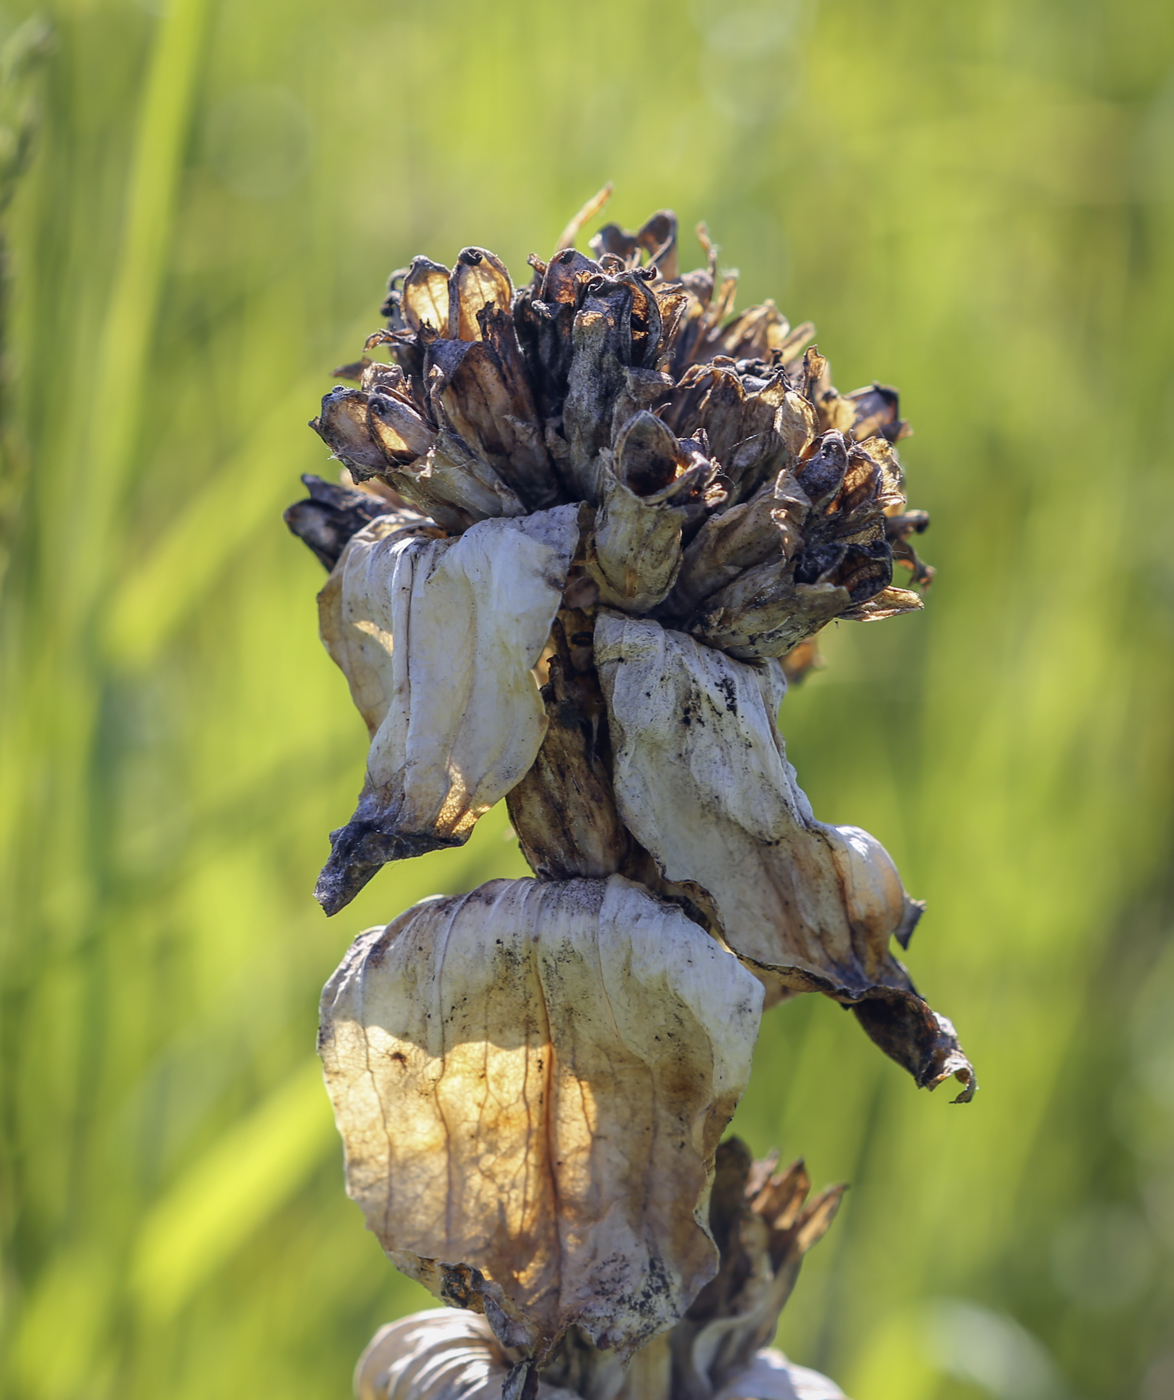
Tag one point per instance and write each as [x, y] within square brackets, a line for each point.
[531, 1081]
[437, 638]
[703, 783]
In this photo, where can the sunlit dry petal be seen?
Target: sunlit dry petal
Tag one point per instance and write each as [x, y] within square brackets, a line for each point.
[571, 1051]
[424, 299]
[479, 279]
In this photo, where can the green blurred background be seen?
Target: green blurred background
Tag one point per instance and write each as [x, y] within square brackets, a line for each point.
[975, 202]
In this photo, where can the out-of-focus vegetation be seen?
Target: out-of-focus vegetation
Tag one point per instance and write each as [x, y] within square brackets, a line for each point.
[975, 202]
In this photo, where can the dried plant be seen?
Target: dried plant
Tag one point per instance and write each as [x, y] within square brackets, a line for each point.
[588, 532]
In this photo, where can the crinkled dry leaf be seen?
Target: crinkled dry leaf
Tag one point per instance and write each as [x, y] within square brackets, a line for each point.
[437, 638]
[702, 782]
[531, 1081]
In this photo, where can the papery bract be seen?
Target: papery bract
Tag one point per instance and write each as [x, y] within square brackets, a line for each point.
[437, 638]
[702, 782]
[531, 1081]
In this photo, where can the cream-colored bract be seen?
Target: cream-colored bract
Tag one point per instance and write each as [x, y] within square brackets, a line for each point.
[531, 1081]
[437, 638]
[703, 783]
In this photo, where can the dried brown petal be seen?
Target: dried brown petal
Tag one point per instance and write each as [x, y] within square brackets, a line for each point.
[343, 426]
[876, 410]
[765, 613]
[571, 1052]
[456, 474]
[656, 488]
[765, 528]
[764, 1226]
[702, 782]
[756, 427]
[891, 602]
[657, 239]
[453, 709]
[616, 329]
[333, 514]
[424, 299]
[480, 279]
[479, 390]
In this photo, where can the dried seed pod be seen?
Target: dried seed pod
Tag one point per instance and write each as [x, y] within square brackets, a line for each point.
[571, 1051]
[764, 1226]
[453, 709]
[702, 782]
[655, 489]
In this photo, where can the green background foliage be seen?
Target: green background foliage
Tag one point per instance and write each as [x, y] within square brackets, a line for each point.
[975, 202]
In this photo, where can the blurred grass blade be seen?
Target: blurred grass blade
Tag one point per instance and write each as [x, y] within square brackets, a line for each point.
[20, 118]
[245, 496]
[231, 1191]
[121, 362]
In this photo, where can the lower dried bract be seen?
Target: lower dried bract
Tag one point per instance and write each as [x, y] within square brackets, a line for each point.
[531, 1081]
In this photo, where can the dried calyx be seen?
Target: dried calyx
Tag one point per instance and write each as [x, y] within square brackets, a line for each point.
[589, 531]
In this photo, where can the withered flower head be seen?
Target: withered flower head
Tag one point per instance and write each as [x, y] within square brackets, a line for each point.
[725, 488]
[589, 532]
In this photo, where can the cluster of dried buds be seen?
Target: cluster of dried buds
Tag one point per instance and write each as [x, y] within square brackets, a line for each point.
[587, 534]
